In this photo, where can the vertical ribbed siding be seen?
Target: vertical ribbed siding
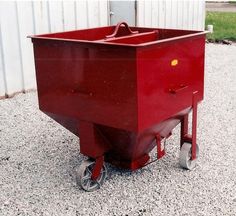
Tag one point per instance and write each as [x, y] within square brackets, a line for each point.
[3, 82]
[18, 19]
[177, 14]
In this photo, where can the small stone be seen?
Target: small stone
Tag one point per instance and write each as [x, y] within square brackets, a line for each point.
[6, 203]
[5, 158]
[228, 42]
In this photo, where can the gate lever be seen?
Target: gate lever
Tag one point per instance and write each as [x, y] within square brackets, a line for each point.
[177, 89]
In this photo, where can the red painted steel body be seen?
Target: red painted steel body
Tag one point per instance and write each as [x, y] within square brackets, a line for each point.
[119, 93]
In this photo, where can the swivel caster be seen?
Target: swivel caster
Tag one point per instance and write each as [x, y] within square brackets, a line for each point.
[185, 156]
[84, 173]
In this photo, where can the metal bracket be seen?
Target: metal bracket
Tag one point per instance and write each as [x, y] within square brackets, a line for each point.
[194, 125]
[160, 152]
[185, 137]
[97, 167]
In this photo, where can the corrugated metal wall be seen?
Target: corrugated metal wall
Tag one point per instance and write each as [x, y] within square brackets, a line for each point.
[21, 18]
[177, 14]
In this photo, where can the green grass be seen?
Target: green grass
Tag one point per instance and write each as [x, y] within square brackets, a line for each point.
[224, 25]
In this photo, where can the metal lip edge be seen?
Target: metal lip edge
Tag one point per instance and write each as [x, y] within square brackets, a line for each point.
[60, 32]
[121, 44]
[173, 39]
[81, 41]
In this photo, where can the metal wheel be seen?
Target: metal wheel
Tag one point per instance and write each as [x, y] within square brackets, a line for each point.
[185, 156]
[84, 173]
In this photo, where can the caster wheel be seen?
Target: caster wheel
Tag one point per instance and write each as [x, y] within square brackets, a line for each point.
[185, 156]
[84, 173]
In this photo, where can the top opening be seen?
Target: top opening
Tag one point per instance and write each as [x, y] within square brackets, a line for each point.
[120, 35]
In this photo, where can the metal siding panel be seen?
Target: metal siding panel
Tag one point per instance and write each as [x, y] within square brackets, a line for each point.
[190, 15]
[93, 13]
[2, 69]
[103, 11]
[202, 14]
[69, 15]
[195, 15]
[148, 13]
[174, 14]
[140, 13]
[168, 14]
[82, 14]
[56, 16]
[185, 15]
[41, 17]
[199, 23]
[180, 14]
[26, 28]
[10, 47]
[155, 13]
[161, 14]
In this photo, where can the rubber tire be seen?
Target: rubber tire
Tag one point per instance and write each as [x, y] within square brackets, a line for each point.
[84, 173]
[185, 156]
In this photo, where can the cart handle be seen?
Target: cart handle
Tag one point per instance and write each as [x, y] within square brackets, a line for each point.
[118, 27]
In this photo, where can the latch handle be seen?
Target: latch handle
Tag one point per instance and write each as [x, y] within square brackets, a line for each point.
[177, 89]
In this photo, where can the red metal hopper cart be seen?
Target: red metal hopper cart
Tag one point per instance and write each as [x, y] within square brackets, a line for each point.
[121, 90]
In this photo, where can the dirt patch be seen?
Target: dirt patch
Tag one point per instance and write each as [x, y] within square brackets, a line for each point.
[221, 7]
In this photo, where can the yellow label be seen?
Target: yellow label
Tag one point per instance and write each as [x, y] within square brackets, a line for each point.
[174, 62]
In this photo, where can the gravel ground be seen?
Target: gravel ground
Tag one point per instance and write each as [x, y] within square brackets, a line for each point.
[38, 157]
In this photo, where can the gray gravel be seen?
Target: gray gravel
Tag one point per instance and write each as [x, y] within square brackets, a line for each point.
[38, 156]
